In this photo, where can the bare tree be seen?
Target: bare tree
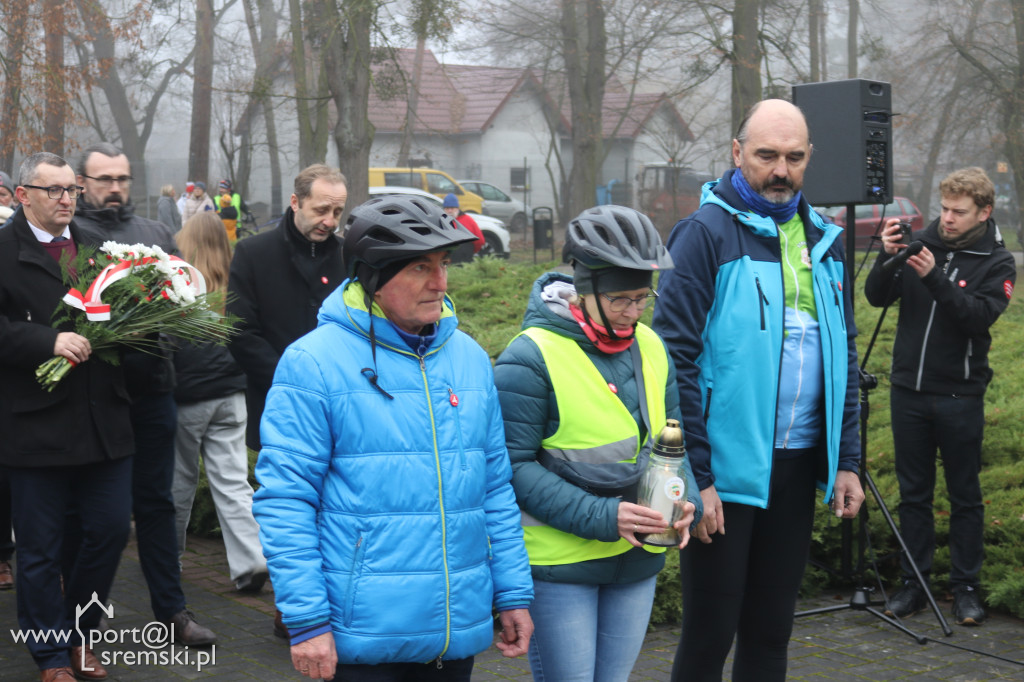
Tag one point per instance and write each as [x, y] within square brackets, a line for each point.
[307, 66]
[202, 94]
[584, 43]
[347, 52]
[261, 23]
[430, 19]
[11, 58]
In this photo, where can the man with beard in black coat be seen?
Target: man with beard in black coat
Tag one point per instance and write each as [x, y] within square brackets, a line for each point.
[280, 277]
[106, 213]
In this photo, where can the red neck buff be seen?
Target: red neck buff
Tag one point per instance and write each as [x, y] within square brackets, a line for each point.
[598, 335]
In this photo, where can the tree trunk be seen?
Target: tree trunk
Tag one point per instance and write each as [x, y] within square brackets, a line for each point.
[16, 12]
[412, 104]
[202, 95]
[852, 47]
[53, 125]
[311, 106]
[948, 104]
[814, 21]
[347, 64]
[584, 48]
[746, 63]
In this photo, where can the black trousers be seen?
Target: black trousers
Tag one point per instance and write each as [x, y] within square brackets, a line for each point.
[42, 498]
[744, 584]
[923, 423]
[450, 671]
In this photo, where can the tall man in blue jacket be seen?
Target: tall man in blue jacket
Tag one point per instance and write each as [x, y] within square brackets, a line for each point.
[951, 293]
[386, 508]
[758, 318]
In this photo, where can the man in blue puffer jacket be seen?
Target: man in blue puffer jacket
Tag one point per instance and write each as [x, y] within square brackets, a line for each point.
[386, 511]
[758, 318]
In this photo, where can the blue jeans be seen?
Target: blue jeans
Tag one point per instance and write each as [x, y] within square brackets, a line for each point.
[588, 632]
[921, 424]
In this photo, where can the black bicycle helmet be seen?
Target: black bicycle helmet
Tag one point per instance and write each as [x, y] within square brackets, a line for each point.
[615, 236]
[394, 228]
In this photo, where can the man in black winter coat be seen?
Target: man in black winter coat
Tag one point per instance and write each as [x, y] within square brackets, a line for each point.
[69, 448]
[106, 213]
[280, 277]
[951, 293]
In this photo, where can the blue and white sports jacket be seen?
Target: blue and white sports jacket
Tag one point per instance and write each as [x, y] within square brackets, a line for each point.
[721, 312]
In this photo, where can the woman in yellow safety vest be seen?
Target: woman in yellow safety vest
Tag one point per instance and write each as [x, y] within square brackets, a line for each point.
[584, 389]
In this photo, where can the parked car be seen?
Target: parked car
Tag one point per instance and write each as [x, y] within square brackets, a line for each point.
[496, 237]
[867, 217]
[514, 213]
[436, 182]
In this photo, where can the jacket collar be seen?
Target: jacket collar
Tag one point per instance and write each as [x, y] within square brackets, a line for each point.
[29, 248]
[983, 247]
[107, 214]
[346, 306]
[721, 193]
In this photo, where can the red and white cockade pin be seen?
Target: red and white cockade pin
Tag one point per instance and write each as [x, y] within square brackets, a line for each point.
[324, 279]
[613, 387]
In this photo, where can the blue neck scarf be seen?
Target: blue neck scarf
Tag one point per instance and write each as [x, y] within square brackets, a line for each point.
[780, 213]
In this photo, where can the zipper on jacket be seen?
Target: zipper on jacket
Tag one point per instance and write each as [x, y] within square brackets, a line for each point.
[762, 299]
[928, 328]
[707, 403]
[440, 500]
[967, 359]
[350, 596]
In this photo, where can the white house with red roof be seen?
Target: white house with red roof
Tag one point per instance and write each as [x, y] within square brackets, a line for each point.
[485, 123]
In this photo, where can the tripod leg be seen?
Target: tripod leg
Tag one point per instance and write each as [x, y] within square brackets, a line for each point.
[910, 559]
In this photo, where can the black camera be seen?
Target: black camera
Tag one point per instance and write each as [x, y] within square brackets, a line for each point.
[905, 232]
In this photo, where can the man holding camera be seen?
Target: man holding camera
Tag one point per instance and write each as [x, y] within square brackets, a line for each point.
[953, 289]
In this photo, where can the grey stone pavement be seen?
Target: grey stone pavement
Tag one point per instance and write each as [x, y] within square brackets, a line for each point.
[843, 645]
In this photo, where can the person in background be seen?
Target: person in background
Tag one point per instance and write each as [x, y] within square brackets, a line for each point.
[198, 201]
[385, 505]
[166, 209]
[105, 213]
[464, 254]
[586, 377]
[183, 199]
[278, 280]
[228, 217]
[7, 200]
[758, 317]
[950, 293]
[210, 394]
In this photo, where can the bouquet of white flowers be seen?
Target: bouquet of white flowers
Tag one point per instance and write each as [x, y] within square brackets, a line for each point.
[124, 296]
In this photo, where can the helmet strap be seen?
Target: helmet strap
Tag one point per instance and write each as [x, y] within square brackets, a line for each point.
[369, 289]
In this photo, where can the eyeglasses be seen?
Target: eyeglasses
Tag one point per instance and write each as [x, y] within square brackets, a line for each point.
[107, 181]
[618, 304]
[55, 192]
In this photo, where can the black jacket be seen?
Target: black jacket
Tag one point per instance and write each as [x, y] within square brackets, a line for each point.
[85, 418]
[205, 371]
[942, 338]
[278, 281]
[145, 373]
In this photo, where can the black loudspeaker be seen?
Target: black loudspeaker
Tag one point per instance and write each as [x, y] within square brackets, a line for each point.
[851, 130]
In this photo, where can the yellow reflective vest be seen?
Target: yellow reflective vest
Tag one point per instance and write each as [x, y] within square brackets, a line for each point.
[594, 427]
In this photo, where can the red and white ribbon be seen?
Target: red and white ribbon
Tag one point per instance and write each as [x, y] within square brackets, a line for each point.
[98, 311]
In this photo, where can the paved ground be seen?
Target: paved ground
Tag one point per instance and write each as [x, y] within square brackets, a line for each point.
[844, 645]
